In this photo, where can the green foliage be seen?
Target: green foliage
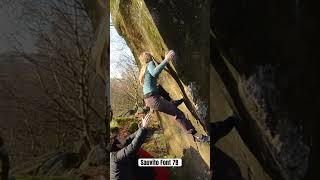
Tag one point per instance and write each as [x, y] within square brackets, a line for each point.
[114, 124]
[122, 121]
[119, 119]
[133, 127]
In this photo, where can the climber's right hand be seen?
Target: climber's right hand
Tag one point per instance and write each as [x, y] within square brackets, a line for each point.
[170, 55]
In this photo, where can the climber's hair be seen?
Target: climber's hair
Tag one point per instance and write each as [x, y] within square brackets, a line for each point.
[144, 58]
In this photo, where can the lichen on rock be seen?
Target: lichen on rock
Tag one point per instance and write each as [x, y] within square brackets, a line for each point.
[201, 105]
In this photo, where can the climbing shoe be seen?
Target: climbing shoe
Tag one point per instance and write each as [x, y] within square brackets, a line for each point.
[178, 102]
[202, 138]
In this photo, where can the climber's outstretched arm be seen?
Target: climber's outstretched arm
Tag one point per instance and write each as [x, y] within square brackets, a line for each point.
[136, 143]
[130, 138]
[133, 147]
[155, 71]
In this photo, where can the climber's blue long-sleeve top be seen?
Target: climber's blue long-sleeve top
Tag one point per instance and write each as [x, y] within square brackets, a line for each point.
[151, 75]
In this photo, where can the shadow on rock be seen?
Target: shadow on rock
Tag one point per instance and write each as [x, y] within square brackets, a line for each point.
[194, 167]
[223, 166]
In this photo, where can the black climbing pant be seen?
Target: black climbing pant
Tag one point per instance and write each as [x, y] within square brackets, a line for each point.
[158, 103]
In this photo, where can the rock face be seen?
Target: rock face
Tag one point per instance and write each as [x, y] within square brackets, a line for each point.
[98, 11]
[263, 68]
[157, 26]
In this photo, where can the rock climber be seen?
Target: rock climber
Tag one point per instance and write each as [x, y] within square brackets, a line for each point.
[148, 76]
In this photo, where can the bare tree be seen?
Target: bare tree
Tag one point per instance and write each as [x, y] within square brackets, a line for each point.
[63, 66]
[126, 92]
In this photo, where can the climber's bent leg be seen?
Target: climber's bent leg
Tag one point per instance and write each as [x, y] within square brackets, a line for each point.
[164, 93]
[158, 103]
[167, 97]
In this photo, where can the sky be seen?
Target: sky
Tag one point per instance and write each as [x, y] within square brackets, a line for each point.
[117, 48]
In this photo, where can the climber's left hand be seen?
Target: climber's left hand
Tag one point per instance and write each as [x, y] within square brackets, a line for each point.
[170, 55]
